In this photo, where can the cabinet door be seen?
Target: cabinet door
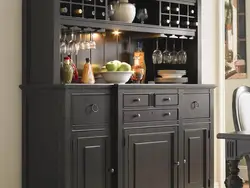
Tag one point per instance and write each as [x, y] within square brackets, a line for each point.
[150, 155]
[90, 159]
[196, 157]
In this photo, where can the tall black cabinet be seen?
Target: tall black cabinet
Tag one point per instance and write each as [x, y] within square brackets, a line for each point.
[109, 135]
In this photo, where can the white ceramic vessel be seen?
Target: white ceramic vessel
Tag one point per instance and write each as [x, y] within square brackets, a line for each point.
[123, 11]
[118, 77]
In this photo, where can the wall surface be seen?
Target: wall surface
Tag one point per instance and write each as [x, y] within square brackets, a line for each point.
[213, 73]
[10, 95]
[10, 74]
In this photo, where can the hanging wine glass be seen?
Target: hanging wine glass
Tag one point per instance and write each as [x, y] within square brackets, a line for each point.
[63, 45]
[182, 55]
[173, 54]
[92, 43]
[166, 55]
[84, 44]
[157, 54]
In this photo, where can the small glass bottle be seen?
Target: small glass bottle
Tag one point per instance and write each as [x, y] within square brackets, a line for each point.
[139, 55]
[87, 74]
[138, 71]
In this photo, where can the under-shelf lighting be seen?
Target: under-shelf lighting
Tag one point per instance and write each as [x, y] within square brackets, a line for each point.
[116, 32]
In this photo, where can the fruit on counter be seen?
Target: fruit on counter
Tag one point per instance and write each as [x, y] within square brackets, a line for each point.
[111, 66]
[124, 67]
[104, 69]
[116, 66]
[96, 68]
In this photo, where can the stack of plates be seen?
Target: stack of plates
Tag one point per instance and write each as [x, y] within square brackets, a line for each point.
[171, 76]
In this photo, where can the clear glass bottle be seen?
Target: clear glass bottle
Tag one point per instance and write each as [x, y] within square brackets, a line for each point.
[139, 54]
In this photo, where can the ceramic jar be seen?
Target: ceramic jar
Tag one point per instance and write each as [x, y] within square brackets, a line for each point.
[123, 11]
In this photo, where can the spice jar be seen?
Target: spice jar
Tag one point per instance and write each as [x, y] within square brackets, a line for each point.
[87, 74]
[67, 71]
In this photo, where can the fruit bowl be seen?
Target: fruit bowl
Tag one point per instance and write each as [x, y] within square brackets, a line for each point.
[117, 77]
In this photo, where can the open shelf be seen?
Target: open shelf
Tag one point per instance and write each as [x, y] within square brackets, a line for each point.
[135, 27]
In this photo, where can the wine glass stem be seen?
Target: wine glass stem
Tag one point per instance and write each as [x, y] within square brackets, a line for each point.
[157, 44]
[181, 44]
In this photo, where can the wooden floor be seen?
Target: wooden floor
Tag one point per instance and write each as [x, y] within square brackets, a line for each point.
[246, 185]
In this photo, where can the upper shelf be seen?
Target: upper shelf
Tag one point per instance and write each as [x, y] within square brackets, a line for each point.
[135, 27]
[172, 17]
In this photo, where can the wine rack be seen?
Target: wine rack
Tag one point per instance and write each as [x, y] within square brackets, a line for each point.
[180, 15]
[89, 9]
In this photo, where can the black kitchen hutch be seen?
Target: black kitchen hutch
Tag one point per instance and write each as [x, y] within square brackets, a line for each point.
[106, 135]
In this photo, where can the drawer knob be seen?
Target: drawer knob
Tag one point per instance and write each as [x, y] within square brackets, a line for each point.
[177, 163]
[112, 170]
[137, 115]
[195, 104]
[137, 100]
[94, 108]
[184, 161]
[167, 99]
[167, 114]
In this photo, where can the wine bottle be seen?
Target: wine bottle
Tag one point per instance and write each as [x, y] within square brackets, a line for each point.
[167, 8]
[78, 11]
[175, 22]
[64, 10]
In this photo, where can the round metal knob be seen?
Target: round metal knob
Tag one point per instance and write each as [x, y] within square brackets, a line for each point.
[184, 161]
[195, 104]
[138, 115]
[168, 114]
[167, 99]
[177, 163]
[112, 170]
[94, 108]
[137, 100]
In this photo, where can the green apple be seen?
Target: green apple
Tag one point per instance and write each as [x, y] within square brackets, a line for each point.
[118, 63]
[124, 67]
[111, 66]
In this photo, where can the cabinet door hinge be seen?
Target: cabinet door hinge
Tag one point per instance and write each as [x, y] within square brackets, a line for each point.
[208, 182]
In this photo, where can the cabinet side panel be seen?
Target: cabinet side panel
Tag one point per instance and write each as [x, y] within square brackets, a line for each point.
[45, 112]
[43, 47]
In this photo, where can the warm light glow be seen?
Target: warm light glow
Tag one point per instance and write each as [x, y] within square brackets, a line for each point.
[96, 36]
[116, 32]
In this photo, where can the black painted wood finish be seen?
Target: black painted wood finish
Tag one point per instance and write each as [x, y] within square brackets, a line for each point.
[81, 136]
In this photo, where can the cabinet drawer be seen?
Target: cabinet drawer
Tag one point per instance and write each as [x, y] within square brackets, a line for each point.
[90, 109]
[163, 100]
[132, 100]
[196, 106]
[150, 115]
